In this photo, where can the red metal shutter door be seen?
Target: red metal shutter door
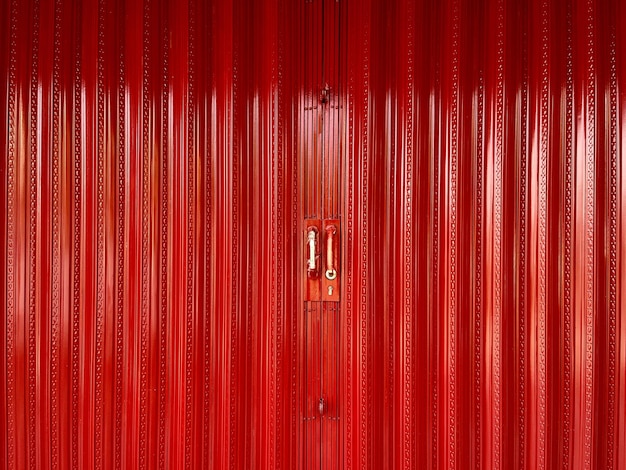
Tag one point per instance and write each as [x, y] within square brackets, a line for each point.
[331, 234]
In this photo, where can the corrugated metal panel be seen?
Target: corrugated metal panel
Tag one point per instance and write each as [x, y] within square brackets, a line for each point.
[162, 162]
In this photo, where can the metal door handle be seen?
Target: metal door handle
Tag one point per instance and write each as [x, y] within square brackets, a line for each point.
[311, 262]
[331, 273]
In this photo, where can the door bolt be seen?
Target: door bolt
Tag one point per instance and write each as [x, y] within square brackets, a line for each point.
[325, 94]
[321, 406]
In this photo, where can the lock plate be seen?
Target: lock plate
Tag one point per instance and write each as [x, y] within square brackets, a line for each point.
[321, 259]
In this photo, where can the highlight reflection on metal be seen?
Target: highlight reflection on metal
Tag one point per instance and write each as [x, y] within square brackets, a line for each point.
[331, 273]
[312, 243]
[161, 159]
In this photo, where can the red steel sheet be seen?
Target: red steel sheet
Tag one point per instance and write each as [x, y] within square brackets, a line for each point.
[161, 160]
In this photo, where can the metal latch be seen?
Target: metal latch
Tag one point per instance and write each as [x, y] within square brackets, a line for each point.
[323, 274]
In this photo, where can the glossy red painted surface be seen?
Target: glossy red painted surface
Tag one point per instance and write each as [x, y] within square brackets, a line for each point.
[163, 159]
